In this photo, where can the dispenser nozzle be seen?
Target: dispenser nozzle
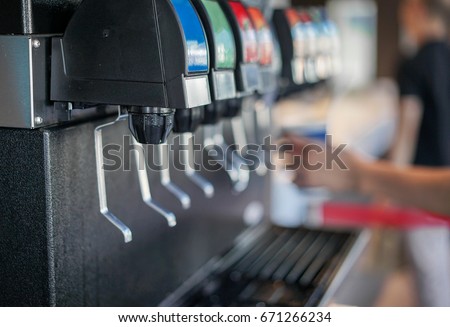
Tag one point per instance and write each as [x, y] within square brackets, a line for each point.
[150, 125]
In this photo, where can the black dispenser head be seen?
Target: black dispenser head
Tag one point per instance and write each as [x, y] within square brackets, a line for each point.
[135, 53]
[234, 108]
[214, 112]
[187, 120]
[150, 125]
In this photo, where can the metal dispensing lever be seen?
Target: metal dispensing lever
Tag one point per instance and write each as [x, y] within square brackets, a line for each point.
[143, 181]
[270, 66]
[166, 181]
[101, 183]
[186, 123]
[215, 148]
[145, 187]
[240, 164]
[187, 156]
[262, 130]
[235, 108]
[215, 143]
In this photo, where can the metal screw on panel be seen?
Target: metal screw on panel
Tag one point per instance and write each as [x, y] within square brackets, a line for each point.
[36, 44]
[38, 120]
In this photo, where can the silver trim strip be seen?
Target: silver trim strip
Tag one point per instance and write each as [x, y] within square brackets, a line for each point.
[349, 262]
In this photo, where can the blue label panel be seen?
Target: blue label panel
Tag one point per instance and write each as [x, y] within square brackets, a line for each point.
[197, 51]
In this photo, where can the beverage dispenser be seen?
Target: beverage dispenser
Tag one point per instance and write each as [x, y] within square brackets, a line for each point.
[292, 39]
[311, 52]
[222, 50]
[113, 53]
[73, 73]
[269, 67]
[248, 79]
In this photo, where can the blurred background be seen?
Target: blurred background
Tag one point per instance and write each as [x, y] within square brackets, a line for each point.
[360, 108]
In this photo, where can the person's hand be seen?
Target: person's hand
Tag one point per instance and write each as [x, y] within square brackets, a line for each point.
[316, 164]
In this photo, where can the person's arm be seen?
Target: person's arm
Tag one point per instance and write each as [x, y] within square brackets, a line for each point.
[423, 188]
[408, 125]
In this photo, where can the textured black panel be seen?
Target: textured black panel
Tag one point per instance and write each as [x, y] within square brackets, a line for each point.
[48, 178]
[93, 266]
[24, 270]
[35, 16]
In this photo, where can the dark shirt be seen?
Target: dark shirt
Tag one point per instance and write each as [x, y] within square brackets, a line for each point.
[427, 76]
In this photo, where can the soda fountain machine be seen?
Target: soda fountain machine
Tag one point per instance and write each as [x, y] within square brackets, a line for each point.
[86, 87]
[222, 84]
[148, 82]
[270, 266]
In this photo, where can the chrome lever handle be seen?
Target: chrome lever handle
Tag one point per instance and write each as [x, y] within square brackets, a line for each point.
[145, 186]
[263, 119]
[240, 138]
[214, 141]
[101, 182]
[166, 181]
[238, 130]
[230, 161]
[189, 171]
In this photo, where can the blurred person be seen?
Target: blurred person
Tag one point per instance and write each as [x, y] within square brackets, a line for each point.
[423, 132]
[426, 188]
[423, 136]
[423, 139]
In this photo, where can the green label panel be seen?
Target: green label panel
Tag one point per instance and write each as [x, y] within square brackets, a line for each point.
[225, 48]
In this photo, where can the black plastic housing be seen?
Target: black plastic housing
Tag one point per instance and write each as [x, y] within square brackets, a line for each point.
[214, 112]
[234, 108]
[187, 120]
[21, 17]
[127, 52]
[119, 52]
[284, 35]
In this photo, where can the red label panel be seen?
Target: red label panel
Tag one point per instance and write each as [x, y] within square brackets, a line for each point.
[298, 37]
[250, 43]
[292, 17]
[264, 36]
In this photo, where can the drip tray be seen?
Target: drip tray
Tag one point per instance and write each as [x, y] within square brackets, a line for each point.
[270, 266]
